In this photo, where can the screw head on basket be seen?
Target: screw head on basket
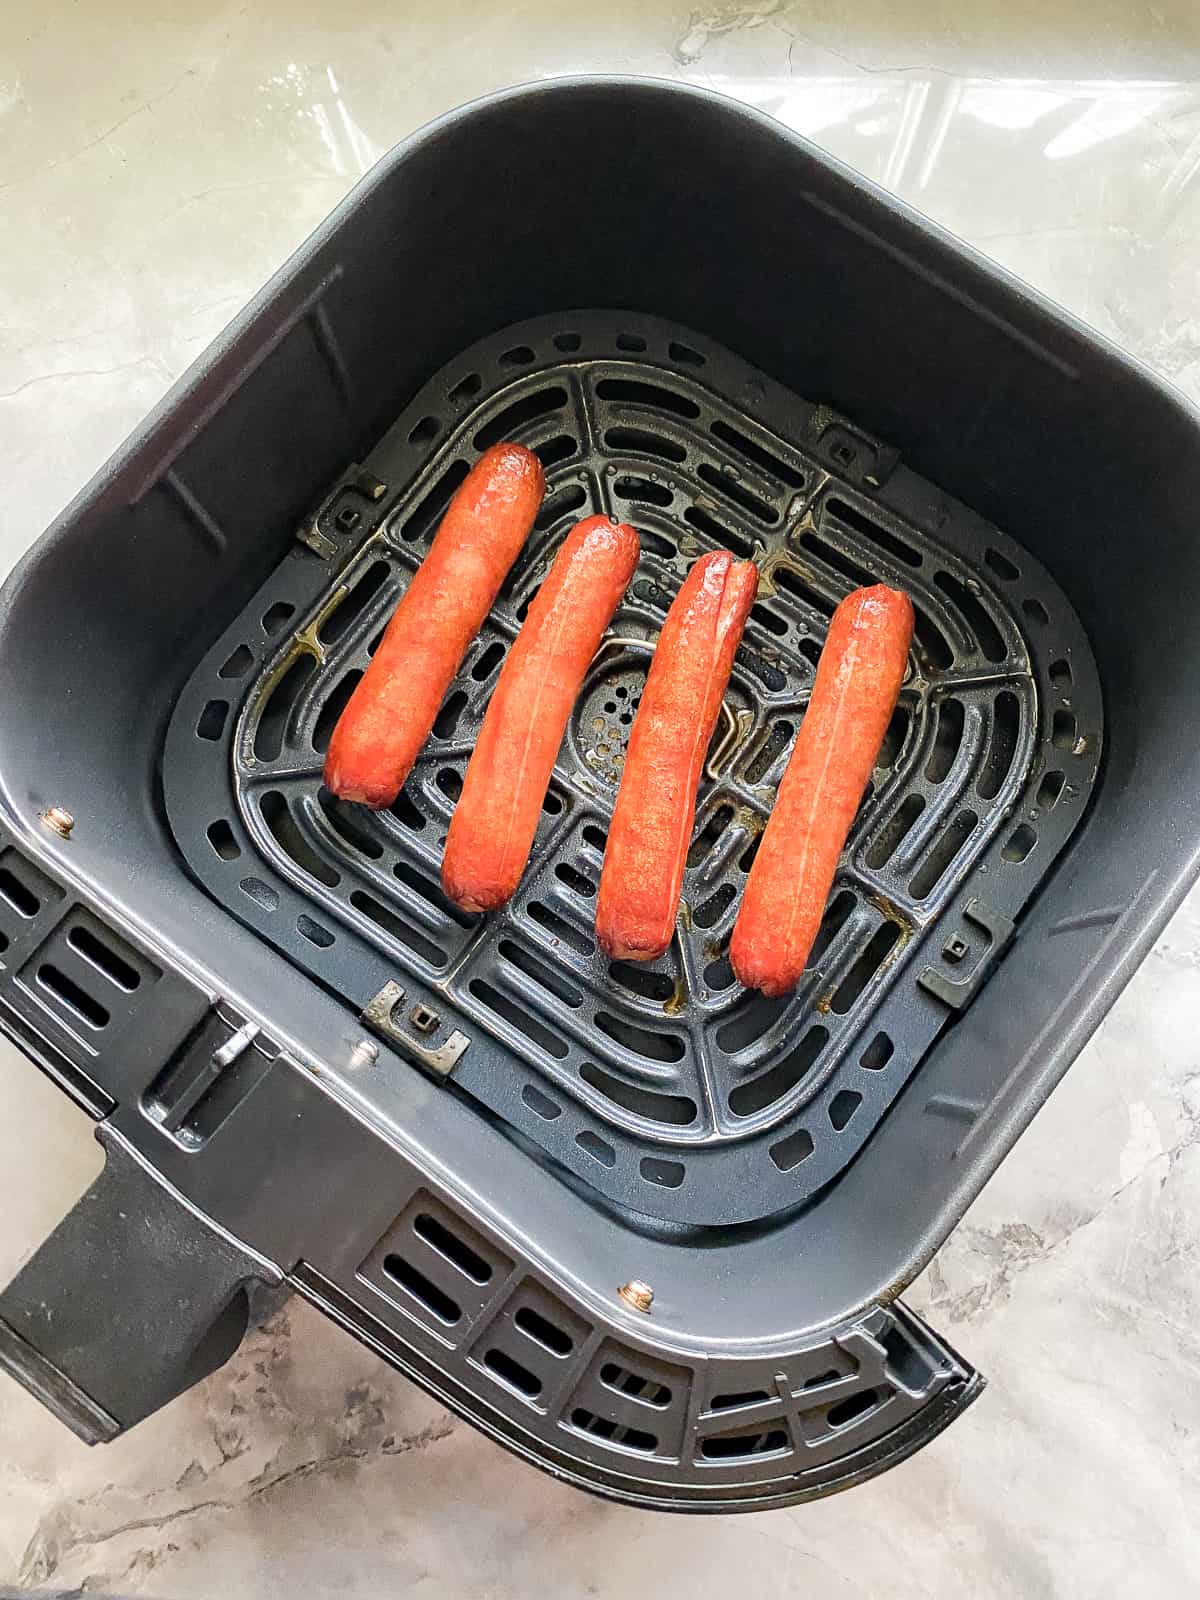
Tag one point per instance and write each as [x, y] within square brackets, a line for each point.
[637, 1294]
[59, 821]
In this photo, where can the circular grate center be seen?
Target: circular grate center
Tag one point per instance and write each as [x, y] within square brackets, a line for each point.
[603, 716]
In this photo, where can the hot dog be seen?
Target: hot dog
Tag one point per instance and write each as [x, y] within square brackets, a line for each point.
[492, 831]
[853, 697]
[656, 803]
[380, 733]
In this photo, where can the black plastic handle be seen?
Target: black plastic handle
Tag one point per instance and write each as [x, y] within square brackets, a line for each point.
[131, 1300]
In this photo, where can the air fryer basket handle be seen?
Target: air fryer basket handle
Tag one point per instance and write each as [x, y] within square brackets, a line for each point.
[956, 1386]
[131, 1300]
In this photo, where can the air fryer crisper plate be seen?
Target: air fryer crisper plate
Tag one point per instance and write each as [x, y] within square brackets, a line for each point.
[666, 1088]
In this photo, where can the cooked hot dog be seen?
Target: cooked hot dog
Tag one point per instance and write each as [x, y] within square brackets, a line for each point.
[656, 803]
[857, 683]
[380, 733]
[492, 831]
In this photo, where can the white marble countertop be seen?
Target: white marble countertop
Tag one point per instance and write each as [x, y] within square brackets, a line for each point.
[154, 170]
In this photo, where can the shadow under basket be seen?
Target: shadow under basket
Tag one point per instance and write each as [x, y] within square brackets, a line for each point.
[642, 1227]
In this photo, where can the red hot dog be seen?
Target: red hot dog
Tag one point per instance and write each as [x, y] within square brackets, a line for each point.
[494, 823]
[380, 733]
[857, 683]
[656, 803]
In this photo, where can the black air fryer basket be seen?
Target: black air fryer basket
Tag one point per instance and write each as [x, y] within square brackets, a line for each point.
[646, 1229]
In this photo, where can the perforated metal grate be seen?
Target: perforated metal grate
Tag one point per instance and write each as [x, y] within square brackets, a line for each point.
[666, 1088]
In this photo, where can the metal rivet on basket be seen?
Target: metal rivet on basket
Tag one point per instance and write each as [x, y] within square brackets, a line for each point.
[59, 821]
[637, 1294]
